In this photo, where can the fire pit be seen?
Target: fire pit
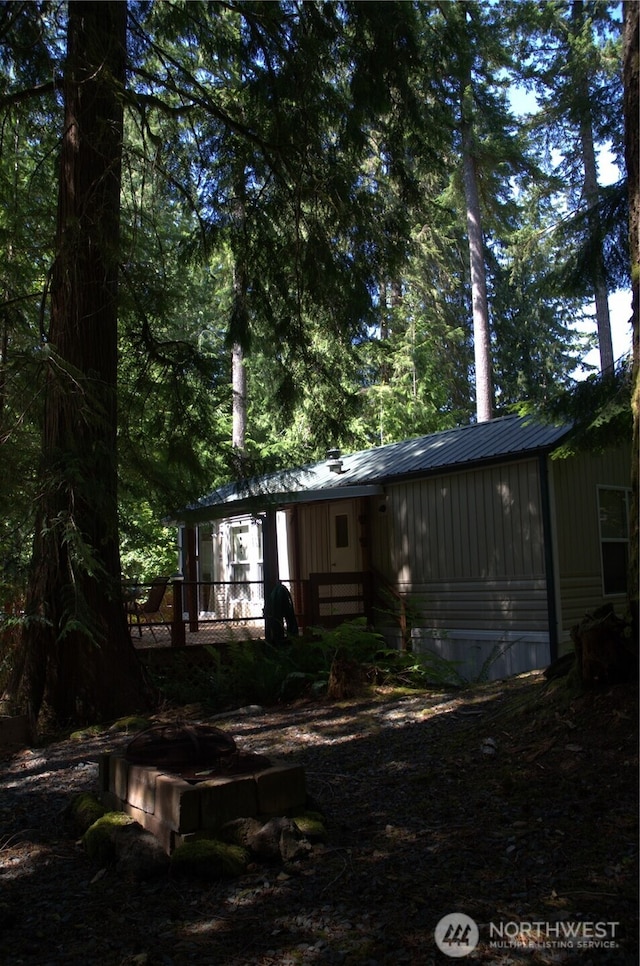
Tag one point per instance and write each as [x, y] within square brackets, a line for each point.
[192, 753]
[179, 781]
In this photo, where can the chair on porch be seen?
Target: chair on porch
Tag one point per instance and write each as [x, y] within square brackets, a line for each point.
[149, 607]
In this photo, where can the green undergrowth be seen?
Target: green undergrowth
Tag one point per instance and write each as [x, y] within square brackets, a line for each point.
[255, 672]
[130, 724]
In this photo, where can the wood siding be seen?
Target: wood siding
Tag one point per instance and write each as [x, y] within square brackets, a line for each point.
[482, 605]
[574, 492]
[466, 550]
[314, 539]
[484, 523]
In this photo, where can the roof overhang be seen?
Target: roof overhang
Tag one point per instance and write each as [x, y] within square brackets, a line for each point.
[257, 503]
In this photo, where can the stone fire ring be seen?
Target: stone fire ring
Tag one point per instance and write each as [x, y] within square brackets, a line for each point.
[177, 811]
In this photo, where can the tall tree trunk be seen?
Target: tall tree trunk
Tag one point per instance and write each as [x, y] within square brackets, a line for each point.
[600, 293]
[240, 321]
[632, 157]
[385, 332]
[480, 302]
[4, 358]
[6, 313]
[78, 658]
[238, 368]
[239, 402]
[591, 194]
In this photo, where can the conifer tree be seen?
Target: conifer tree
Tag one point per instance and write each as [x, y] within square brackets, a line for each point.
[632, 160]
[311, 246]
[572, 60]
[78, 657]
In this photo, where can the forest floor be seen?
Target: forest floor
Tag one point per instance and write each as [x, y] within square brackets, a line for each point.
[514, 802]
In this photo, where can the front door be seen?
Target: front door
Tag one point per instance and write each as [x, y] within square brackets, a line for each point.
[342, 537]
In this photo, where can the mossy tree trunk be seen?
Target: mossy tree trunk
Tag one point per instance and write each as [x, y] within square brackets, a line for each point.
[632, 155]
[78, 659]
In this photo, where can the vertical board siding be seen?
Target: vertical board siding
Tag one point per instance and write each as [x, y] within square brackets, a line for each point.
[575, 482]
[482, 523]
[466, 549]
[314, 539]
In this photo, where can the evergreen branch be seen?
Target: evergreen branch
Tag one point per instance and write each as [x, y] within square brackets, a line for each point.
[28, 93]
[191, 101]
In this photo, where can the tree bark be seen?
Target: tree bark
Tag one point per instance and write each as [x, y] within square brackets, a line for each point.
[240, 322]
[600, 293]
[591, 194]
[79, 661]
[632, 157]
[239, 401]
[480, 302]
[604, 656]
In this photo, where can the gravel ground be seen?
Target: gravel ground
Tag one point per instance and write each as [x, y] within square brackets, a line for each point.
[514, 802]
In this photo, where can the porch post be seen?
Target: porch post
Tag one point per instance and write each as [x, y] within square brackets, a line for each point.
[191, 578]
[177, 624]
[269, 555]
[297, 584]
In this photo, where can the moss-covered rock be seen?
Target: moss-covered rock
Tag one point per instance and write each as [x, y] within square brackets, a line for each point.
[131, 724]
[209, 859]
[84, 733]
[311, 825]
[240, 831]
[84, 811]
[140, 856]
[99, 839]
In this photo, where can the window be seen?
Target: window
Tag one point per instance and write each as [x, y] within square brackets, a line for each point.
[240, 559]
[342, 530]
[240, 544]
[613, 512]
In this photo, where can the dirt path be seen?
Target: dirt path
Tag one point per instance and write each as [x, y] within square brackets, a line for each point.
[511, 803]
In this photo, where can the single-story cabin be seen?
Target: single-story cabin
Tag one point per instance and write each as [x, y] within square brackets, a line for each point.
[473, 543]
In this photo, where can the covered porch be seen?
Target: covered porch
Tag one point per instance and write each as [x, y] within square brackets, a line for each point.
[322, 600]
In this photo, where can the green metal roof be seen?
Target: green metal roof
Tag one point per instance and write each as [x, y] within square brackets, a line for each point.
[364, 473]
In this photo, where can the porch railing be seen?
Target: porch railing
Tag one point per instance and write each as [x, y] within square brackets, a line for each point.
[203, 607]
[338, 597]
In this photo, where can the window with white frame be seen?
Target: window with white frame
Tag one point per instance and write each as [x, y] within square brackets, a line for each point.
[613, 512]
[240, 563]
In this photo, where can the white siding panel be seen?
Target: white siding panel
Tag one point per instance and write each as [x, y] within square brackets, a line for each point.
[478, 655]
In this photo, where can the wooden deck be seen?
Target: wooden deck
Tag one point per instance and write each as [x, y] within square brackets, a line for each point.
[208, 633]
